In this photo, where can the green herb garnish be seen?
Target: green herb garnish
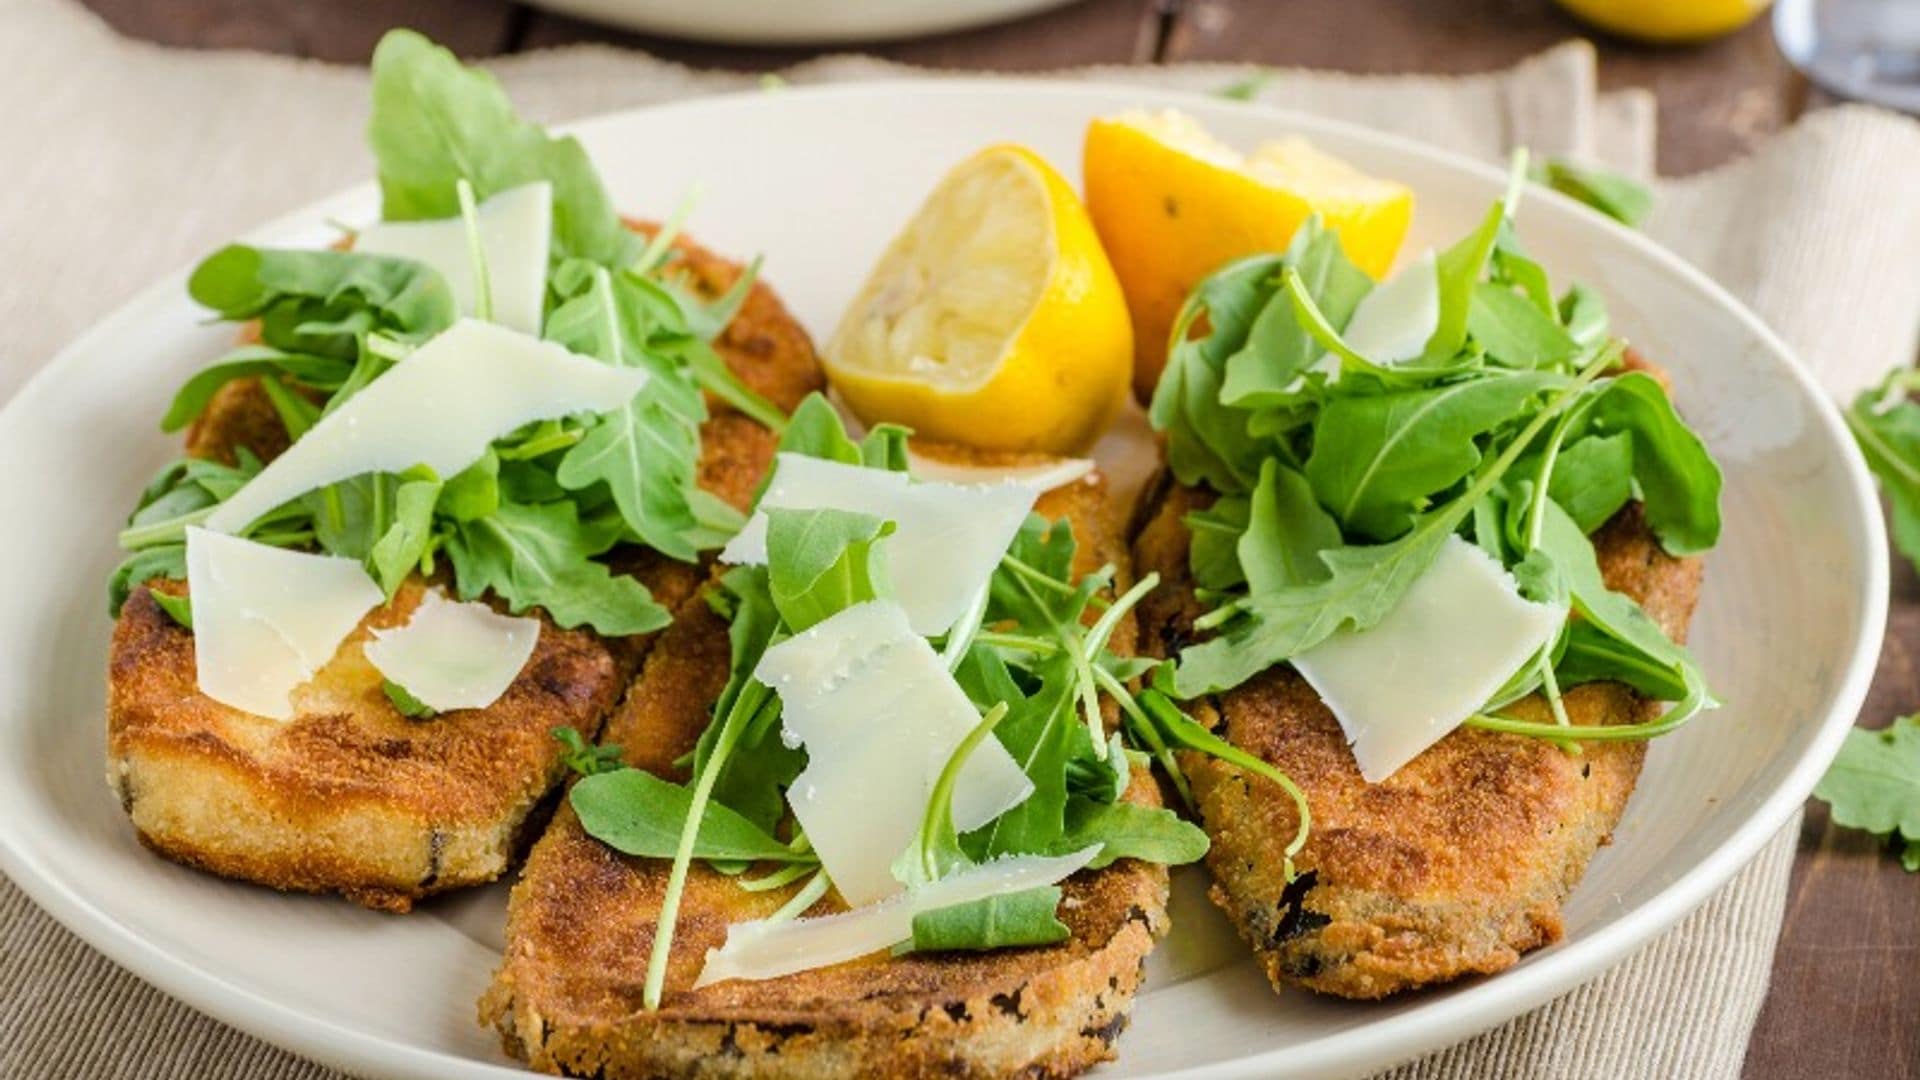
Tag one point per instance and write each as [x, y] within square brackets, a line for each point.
[403, 700]
[1874, 785]
[584, 758]
[531, 521]
[1338, 478]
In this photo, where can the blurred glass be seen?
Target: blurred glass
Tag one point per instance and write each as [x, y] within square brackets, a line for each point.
[1865, 49]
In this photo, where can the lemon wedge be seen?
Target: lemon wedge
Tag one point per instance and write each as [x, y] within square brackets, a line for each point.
[1664, 22]
[1172, 204]
[993, 320]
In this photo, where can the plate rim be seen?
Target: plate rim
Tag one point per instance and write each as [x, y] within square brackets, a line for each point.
[1434, 1024]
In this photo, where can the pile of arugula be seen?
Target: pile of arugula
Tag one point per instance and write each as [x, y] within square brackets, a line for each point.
[1339, 478]
[529, 520]
[1031, 659]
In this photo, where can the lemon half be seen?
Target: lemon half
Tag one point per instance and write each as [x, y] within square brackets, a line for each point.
[1173, 204]
[993, 319]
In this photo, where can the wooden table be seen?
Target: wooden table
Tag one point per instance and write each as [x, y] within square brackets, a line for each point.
[1844, 1001]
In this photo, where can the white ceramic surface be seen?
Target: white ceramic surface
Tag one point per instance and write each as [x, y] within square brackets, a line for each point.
[798, 22]
[1789, 623]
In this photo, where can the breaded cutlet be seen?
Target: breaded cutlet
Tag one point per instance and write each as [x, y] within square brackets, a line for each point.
[580, 929]
[349, 796]
[1455, 865]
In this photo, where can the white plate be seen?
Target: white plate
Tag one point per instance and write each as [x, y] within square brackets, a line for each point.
[798, 22]
[1789, 623]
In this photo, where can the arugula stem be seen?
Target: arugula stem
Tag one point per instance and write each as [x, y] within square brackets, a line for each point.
[725, 385]
[662, 242]
[470, 214]
[545, 444]
[1096, 639]
[603, 286]
[1673, 720]
[786, 875]
[940, 804]
[1042, 579]
[1017, 642]
[163, 532]
[1142, 727]
[1222, 614]
[809, 895]
[751, 697]
[1176, 726]
[961, 637]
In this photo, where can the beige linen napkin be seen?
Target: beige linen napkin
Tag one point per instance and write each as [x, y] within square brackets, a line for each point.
[114, 147]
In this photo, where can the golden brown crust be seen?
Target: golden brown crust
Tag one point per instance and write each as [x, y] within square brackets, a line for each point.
[580, 927]
[349, 796]
[1455, 865]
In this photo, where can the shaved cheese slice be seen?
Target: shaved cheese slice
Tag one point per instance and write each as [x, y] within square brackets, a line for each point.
[948, 537]
[1455, 638]
[516, 234]
[1392, 323]
[265, 618]
[453, 655]
[440, 407]
[1042, 477]
[880, 716]
[766, 949]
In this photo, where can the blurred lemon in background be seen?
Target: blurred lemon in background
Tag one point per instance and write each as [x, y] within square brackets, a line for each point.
[993, 319]
[1667, 22]
[1173, 204]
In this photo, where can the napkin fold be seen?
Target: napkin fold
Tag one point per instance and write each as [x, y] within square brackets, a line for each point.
[115, 145]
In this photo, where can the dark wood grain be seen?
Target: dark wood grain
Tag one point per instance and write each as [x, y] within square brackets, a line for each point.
[1087, 32]
[1846, 976]
[1845, 994]
[1715, 99]
[340, 30]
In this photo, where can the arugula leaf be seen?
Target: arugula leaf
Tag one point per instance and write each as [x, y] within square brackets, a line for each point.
[1362, 585]
[1678, 479]
[1040, 734]
[324, 373]
[647, 452]
[1514, 331]
[409, 530]
[1130, 831]
[178, 608]
[1377, 459]
[1286, 532]
[583, 757]
[1886, 426]
[936, 851]
[542, 556]
[1363, 582]
[1621, 199]
[1620, 640]
[404, 702]
[1459, 269]
[1208, 442]
[436, 122]
[751, 781]
[636, 812]
[815, 430]
[1004, 921]
[1592, 478]
[1874, 784]
[1279, 349]
[1213, 554]
[162, 561]
[321, 303]
[821, 562]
